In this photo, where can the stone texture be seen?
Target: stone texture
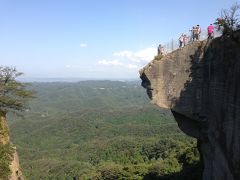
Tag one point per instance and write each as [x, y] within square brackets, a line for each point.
[200, 84]
[4, 139]
[15, 168]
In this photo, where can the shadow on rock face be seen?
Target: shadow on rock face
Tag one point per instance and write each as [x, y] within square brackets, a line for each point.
[146, 83]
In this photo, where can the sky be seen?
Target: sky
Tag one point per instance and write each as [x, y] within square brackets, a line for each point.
[94, 39]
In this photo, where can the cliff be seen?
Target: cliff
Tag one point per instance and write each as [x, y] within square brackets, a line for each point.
[9, 163]
[200, 84]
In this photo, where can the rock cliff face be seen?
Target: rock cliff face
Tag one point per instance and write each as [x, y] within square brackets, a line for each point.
[200, 83]
[4, 139]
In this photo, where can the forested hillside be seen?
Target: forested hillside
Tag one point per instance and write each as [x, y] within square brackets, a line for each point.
[100, 130]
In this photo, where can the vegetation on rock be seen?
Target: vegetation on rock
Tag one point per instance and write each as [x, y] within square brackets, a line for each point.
[229, 21]
[6, 156]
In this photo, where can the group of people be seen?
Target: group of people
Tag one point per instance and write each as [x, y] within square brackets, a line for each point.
[183, 40]
[195, 36]
[196, 31]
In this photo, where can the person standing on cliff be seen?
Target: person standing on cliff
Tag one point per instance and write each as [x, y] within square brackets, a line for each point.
[210, 30]
[185, 39]
[160, 49]
[192, 34]
[198, 32]
[181, 39]
[195, 33]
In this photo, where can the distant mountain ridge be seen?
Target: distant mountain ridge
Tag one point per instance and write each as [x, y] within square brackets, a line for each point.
[73, 79]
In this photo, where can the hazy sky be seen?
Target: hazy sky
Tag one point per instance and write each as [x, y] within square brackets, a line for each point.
[94, 38]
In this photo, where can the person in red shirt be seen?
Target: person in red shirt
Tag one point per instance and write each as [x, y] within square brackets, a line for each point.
[210, 30]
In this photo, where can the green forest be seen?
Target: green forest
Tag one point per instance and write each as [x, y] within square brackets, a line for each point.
[100, 130]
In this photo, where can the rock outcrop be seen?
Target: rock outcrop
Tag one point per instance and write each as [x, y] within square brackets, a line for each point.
[200, 84]
[15, 168]
[16, 173]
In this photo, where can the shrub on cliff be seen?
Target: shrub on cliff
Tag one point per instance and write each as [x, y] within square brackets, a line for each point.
[229, 21]
[158, 57]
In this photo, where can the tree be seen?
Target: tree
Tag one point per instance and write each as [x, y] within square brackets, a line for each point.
[229, 20]
[14, 94]
[13, 98]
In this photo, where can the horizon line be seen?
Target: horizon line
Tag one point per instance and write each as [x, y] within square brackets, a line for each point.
[72, 79]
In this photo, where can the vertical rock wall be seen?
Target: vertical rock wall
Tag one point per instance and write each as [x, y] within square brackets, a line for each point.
[4, 139]
[200, 83]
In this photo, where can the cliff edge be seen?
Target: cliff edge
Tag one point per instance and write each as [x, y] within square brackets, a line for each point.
[200, 84]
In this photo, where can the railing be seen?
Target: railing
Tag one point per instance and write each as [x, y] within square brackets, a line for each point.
[174, 43]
